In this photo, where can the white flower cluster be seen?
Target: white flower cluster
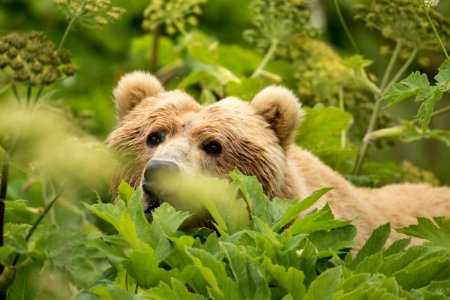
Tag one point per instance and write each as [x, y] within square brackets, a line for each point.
[429, 3]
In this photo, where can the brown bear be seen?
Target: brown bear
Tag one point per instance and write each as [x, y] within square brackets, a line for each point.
[168, 130]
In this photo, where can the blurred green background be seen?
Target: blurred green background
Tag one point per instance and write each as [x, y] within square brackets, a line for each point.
[103, 54]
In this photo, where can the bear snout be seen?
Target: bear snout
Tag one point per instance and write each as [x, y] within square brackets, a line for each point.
[156, 173]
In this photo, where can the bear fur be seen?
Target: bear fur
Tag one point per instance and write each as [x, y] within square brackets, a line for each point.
[257, 138]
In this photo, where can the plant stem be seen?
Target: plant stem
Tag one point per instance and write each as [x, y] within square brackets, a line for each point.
[402, 70]
[344, 25]
[28, 94]
[4, 169]
[342, 107]
[15, 92]
[436, 33]
[376, 110]
[395, 131]
[37, 222]
[70, 25]
[266, 59]
[391, 64]
[155, 49]
[435, 113]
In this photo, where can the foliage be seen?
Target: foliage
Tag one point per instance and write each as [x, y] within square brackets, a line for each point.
[51, 160]
[261, 260]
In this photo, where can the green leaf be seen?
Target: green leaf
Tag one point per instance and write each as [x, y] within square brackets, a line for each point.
[213, 274]
[246, 273]
[144, 267]
[294, 210]
[335, 240]
[320, 133]
[176, 290]
[125, 191]
[118, 293]
[322, 127]
[254, 195]
[370, 264]
[443, 76]
[429, 97]
[422, 272]
[118, 216]
[397, 246]
[316, 221]
[290, 280]
[246, 89]
[373, 245]
[325, 285]
[438, 232]
[410, 86]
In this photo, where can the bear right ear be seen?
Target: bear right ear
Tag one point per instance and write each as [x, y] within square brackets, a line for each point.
[134, 87]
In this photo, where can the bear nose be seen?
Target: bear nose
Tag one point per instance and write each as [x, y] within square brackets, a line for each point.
[157, 169]
[155, 172]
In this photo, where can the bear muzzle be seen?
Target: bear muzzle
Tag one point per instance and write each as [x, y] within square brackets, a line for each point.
[156, 174]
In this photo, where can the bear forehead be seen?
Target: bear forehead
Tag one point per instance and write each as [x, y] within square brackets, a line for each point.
[179, 107]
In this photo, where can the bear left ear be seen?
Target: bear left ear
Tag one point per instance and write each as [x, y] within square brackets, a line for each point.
[281, 109]
[134, 87]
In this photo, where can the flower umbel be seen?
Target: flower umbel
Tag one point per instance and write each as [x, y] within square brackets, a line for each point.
[33, 60]
[429, 3]
[174, 15]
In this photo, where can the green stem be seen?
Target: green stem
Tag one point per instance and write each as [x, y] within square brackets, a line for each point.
[344, 25]
[435, 113]
[28, 94]
[38, 94]
[15, 92]
[376, 111]
[436, 33]
[402, 70]
[70, 25]
[37, 222]
[155, 49]
[267, 58]
[395, 131]
[342, 107]
[4, 169]
[391, 65]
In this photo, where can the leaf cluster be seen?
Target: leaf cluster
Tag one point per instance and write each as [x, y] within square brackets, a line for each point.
[417, 85]
[261, 258]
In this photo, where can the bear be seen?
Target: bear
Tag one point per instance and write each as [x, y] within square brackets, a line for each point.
[170, 131]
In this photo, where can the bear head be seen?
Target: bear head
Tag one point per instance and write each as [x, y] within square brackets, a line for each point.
[169, 132]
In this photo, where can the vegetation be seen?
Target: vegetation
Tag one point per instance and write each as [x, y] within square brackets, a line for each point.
[59, 61]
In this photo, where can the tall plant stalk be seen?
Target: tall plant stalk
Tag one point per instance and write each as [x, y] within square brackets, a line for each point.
[155, 50]
[436, 33]
[267, 58]
[376, 110]
[344, 25]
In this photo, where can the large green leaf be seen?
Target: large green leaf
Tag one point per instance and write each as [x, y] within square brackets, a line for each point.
[373, 245]
[325, 285]
[438, 232]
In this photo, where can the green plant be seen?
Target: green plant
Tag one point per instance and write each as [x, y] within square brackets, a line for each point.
[257, 257]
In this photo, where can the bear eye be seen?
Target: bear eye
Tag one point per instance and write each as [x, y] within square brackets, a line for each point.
[212, 148]
[155, 138]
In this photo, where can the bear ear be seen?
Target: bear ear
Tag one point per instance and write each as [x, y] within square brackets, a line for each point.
[281, 109]
[134, 87]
